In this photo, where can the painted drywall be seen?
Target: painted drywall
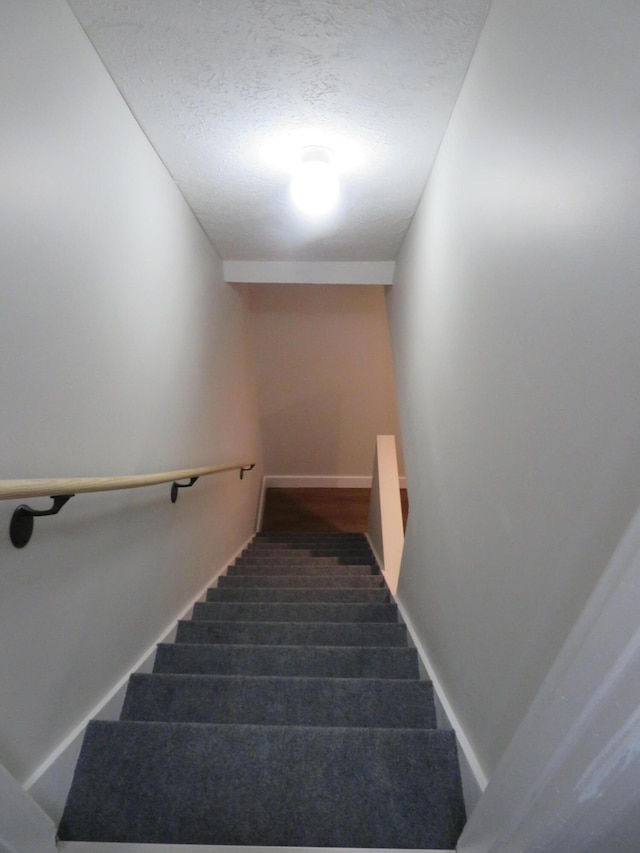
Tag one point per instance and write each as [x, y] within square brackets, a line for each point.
[123, 351]
[325, 378]
[570, 777]
[309, 272]
[385, 530]
[514, 326]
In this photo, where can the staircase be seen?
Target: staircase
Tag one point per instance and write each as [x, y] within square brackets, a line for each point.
[289, 712]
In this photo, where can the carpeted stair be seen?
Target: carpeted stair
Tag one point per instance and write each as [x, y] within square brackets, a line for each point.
[289, 712]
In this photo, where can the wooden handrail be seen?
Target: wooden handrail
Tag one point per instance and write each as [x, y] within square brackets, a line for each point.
[17, 489]
[63, 489]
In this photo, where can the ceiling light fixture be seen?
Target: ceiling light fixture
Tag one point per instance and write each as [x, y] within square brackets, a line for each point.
[314, 186]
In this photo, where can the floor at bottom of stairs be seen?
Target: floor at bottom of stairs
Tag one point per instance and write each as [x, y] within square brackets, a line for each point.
[321, 510]
[106, 847]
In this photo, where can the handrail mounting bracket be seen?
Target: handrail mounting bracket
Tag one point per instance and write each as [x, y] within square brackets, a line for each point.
[21, 527]
[176, 485]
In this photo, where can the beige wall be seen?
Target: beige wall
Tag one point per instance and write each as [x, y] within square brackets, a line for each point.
[514, 321]
[325, 378]
[123, 351]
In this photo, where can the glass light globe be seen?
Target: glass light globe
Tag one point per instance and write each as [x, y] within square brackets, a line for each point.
[314, 186]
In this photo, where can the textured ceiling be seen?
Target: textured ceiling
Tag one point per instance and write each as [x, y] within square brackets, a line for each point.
[228, 91]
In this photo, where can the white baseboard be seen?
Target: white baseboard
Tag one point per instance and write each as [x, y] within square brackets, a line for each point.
[474, 779]
[328, 481]
[49, 784]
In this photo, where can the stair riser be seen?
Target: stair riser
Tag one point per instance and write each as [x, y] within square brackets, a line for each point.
[275, 634]
[308, 545]
[302, 581]
[309, 550]
[354, 559]
[277, 701]
[327, 596]
[297, 612]
[292, 786]
[310, 661]
[253, 559]
[295, 537]
[301, 570]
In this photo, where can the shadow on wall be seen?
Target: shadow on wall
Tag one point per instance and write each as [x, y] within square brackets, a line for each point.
[305, 438]
[324, 374]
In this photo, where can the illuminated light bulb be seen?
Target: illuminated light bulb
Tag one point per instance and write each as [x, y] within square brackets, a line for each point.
[314, 185]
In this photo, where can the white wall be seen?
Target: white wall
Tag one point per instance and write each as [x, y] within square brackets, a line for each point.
[122, 351]
[325, 377]
[514, 324]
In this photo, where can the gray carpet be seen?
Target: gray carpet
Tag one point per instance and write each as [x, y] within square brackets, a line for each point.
[248, 611]
[319, 595]
[278, 566]
[293, 633]
[280, 701]
[312, 661]
[288, 712]
[341, 580]
[267, 558]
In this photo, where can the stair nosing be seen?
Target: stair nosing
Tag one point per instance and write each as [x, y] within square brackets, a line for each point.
[289, 645]
[144, 676]
[393, 731]
[274, 622]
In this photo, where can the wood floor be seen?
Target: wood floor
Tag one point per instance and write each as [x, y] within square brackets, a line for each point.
[320, 510]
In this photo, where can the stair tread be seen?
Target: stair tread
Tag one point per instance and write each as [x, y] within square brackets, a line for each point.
[366, 661]
[335, 545]
[295, 562]
[280, 700]
[354, 559]
[339, 682]
[307, 553]
[296, 535]
[294, 633]
[327, 595]
[294, 612]
[301, 569]
[268, 785]
[306, 581]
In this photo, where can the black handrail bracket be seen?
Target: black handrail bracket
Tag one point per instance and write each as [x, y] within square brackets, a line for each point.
[21, 527]
[176, 485]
